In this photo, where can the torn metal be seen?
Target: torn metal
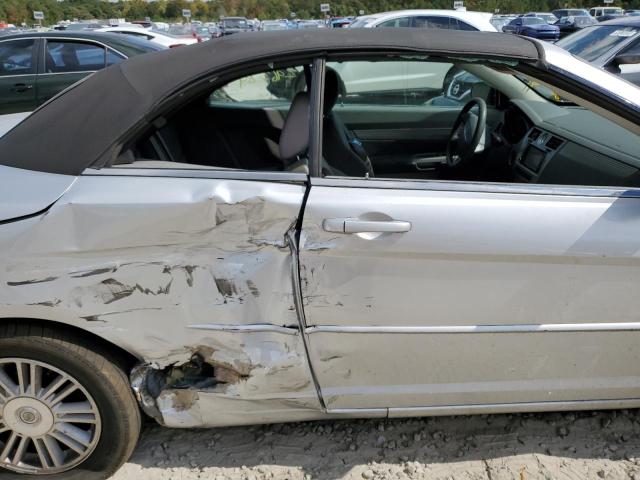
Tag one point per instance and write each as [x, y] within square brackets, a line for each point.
[157, 273]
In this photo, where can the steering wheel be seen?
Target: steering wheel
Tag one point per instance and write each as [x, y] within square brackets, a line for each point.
[467, 132]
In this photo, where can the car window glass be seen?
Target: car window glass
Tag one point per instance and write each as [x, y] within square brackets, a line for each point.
[396, 22]
[275, 87]
[113, 57]
[67, 57]
[16, 57]
[463, 25]
[432, 22]
[417, 119]
[593, 42]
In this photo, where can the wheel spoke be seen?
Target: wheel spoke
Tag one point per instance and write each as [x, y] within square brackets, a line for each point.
[41, 449]
[8, 447]
[23, 372]
[54, 450]
[68, 390]
[20, 451]
[7, 384]
[35, 379]
[76, 434]
[53, 386]
[77, 418]
[73, 407]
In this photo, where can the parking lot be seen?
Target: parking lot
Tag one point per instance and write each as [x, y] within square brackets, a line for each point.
[557, 446]
[301, 248]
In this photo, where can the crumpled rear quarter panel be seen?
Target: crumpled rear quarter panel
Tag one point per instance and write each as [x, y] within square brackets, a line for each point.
[139, 260]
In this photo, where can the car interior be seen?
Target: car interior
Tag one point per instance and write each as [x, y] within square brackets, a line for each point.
[396, 118]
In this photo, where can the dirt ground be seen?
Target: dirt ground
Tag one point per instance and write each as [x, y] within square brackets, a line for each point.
[575, 446]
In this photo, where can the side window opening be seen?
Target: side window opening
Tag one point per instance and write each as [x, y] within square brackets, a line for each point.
[424, 119]
[16, 57]
[257, 122]
[68, 57]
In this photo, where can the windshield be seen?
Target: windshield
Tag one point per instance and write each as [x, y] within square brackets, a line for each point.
[532, 21]
[593, 42]
[235, 23]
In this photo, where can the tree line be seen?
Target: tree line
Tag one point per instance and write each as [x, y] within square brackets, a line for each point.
[19, 11]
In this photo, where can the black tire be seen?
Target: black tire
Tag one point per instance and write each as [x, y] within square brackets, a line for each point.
[101, 374]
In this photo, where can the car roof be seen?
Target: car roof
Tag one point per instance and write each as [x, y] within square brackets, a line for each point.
[131, 90]
[623, 21]
[476, 19]
[451, 13]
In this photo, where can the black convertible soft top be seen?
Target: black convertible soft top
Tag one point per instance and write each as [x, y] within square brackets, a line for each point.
[81, 127]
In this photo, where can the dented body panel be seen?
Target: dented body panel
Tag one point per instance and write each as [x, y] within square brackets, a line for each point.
[159, 266]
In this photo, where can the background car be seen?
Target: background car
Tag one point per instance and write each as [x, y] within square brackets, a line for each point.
[442, 19]
[158, 37]
[613, 45]
[605, 13]
[270, 25]
[533, 27]
[231, 25]
[569, 25]
[570, 12]
[36, 66]
[341, 22]
[550, 18]
[499, 21]
[76, 26]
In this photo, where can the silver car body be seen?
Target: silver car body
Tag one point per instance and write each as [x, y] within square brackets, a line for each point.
[500, 298]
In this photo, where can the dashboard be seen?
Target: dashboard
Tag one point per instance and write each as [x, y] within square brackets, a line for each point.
[568, 146]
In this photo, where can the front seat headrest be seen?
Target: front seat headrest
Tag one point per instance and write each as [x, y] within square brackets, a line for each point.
[294, 139]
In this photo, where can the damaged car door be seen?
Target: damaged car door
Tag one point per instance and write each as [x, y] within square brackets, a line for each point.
[440, 296]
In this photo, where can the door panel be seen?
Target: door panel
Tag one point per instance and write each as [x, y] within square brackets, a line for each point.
[489, 298]
[396, 136]
[50, 84]
[17, 75]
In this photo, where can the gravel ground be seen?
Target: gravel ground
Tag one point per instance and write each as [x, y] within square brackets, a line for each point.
[554, 446]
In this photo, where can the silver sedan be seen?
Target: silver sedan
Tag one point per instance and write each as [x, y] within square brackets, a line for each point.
[309, 225]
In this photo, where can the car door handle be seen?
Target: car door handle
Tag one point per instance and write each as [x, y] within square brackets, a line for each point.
[355, 225]
[21, 87]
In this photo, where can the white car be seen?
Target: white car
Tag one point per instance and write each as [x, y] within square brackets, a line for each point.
[443, 19]
[161, 38]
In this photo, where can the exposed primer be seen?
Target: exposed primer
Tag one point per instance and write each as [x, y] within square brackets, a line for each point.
[91, 273]
[112, 290]
[31, 282]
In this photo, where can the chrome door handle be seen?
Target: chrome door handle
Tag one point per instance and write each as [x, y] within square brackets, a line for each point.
[354, 225]
[21, 87]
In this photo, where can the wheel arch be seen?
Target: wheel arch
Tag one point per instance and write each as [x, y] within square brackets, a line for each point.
[21, 325]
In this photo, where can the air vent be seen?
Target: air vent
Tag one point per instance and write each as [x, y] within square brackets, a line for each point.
[533, 136]
[554, 143]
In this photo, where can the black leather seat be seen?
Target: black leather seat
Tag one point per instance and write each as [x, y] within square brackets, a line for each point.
[343, 154]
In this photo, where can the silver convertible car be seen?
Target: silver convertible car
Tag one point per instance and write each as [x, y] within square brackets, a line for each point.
[312, 225]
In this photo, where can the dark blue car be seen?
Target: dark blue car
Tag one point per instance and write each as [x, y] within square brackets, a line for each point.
[534, 27]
